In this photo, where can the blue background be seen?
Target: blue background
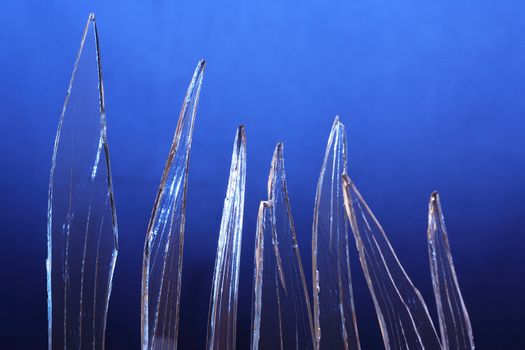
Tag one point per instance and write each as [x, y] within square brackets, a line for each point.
[431, 92]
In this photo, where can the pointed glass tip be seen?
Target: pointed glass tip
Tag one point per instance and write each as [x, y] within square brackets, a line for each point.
[199, 69]
[276, 167]
[337, 121]
[338, 126]
[240, 137]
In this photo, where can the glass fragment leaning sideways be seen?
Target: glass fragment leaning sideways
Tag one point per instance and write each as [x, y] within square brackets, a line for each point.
[333, 302]
[163, 247]
[281, 313]
[454, 322]
[401, 311]
[222, 317]
[82, 235]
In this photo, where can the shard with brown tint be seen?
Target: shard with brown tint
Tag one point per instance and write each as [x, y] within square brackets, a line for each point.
[163, 247]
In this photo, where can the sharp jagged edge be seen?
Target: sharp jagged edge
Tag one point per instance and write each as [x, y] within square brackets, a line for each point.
[402, 313]
[222, 317]
[454, 321]
[329, 265]
[102, 145]
[290, 299]
[258, 275]
[297, 291]
[169, 207]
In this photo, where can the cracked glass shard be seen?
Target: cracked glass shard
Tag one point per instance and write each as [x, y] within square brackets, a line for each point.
[454, 322]
[281, 314]
[163, 247]
[222, 318]
[333, 305]
[401, 311]
[81, 222]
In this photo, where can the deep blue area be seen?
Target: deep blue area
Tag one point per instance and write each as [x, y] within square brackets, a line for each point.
[432, 94]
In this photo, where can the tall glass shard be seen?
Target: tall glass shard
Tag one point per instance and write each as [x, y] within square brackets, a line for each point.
[402, 313]
[454, 322]
[334, 313]
[281, 315]
[163, 248]
[81, 221]
[222, 318]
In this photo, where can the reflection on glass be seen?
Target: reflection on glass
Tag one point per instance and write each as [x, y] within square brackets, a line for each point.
[333, 302]
[81, 222]
[222, 319]
[281, 314]
[454, 322]
[402, 313]
[163, 248]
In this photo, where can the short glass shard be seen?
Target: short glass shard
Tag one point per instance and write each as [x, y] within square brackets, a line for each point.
[163, 248]
[281, 313]
[333, 305]
[222, 318]
[454, 322]
[81, 223]
[402, 313]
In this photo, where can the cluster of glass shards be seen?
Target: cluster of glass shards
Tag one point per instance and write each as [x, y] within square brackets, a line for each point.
[287, 313]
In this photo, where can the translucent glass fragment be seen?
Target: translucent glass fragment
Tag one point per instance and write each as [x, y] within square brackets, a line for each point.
[402, 313]
[454, 322]
[81, 221]
[222, 318]
[163, 248]
[333, 304]
[281, 314]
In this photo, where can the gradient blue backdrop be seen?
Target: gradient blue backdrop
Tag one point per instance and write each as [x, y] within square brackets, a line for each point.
[432, 93]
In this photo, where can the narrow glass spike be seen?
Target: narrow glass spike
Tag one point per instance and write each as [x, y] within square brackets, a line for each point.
[163, 248]
[81, 221]
[333, 309]
[222, 318]
[281, 316]
[454, 322]
[401, 311]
